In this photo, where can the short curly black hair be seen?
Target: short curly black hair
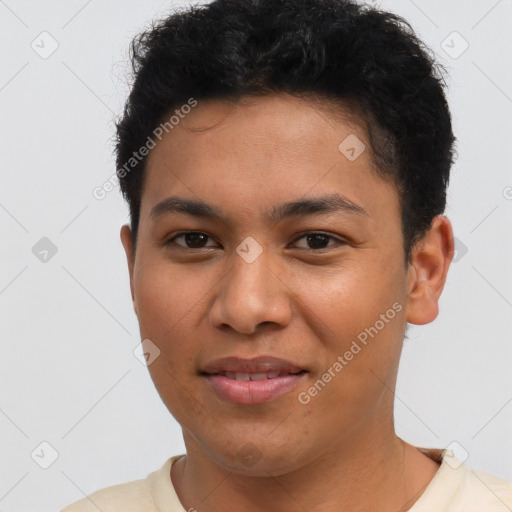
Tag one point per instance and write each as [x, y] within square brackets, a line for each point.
[365, 59]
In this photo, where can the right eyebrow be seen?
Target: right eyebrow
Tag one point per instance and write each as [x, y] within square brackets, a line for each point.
[193, 207]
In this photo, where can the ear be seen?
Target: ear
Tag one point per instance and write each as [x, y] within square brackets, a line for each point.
[426, 276]
[127, 241]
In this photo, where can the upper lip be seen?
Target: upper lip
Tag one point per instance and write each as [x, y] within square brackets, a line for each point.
[262, 364]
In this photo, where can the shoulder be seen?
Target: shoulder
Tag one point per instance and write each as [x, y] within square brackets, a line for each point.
[459, 488]
[482, 490]
[131, 496]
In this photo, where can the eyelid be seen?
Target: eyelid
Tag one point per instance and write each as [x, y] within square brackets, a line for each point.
[170, 239]
[337, 239]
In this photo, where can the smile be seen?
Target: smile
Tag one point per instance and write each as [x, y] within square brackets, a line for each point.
[252, 381]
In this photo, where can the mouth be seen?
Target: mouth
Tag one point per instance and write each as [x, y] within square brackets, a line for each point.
[245, 376]
[252, 381]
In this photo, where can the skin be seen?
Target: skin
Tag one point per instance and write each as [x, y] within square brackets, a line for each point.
[298, 301]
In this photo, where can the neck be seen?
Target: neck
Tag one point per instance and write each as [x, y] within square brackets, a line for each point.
[372, 473]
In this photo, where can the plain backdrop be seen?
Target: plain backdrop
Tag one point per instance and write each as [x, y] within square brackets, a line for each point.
[69, 376]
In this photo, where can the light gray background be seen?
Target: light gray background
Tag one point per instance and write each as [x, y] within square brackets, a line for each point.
[68, 331]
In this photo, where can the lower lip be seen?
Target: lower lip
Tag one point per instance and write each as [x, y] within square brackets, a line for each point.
[251, 392]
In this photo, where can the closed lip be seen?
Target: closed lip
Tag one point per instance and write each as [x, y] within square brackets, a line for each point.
[261, 364]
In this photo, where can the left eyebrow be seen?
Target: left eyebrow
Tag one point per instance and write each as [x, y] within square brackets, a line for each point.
[301, 208]
[318, 205]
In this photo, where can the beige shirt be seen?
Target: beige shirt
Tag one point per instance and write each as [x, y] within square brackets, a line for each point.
[454, 488]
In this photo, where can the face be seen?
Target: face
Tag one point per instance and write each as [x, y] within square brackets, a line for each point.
[295, 273]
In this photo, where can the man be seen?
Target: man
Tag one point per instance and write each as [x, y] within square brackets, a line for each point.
[286, 164]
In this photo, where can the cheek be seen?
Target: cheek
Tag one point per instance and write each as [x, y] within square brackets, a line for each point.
[356, 312]
[180, 394]
[166, 299]
[168, 316]
[373, 318]
[350, 296]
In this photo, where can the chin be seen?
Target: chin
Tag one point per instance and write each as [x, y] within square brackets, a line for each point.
[264, 466]
[253, 456]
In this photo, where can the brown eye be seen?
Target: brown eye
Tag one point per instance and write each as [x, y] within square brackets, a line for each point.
[192, 239]
[318, 241]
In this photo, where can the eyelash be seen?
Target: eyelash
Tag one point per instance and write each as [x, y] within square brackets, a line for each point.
[183, 233]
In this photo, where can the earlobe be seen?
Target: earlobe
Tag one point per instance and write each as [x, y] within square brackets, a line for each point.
[427, 271]
[127, 240]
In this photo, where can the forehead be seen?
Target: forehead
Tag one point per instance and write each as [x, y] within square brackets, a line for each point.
[279, 121]
[262, 149]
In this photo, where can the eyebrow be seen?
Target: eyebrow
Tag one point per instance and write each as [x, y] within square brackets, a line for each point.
[301, 208]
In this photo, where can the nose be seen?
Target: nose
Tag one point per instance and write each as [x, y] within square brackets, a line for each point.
[252, 296]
